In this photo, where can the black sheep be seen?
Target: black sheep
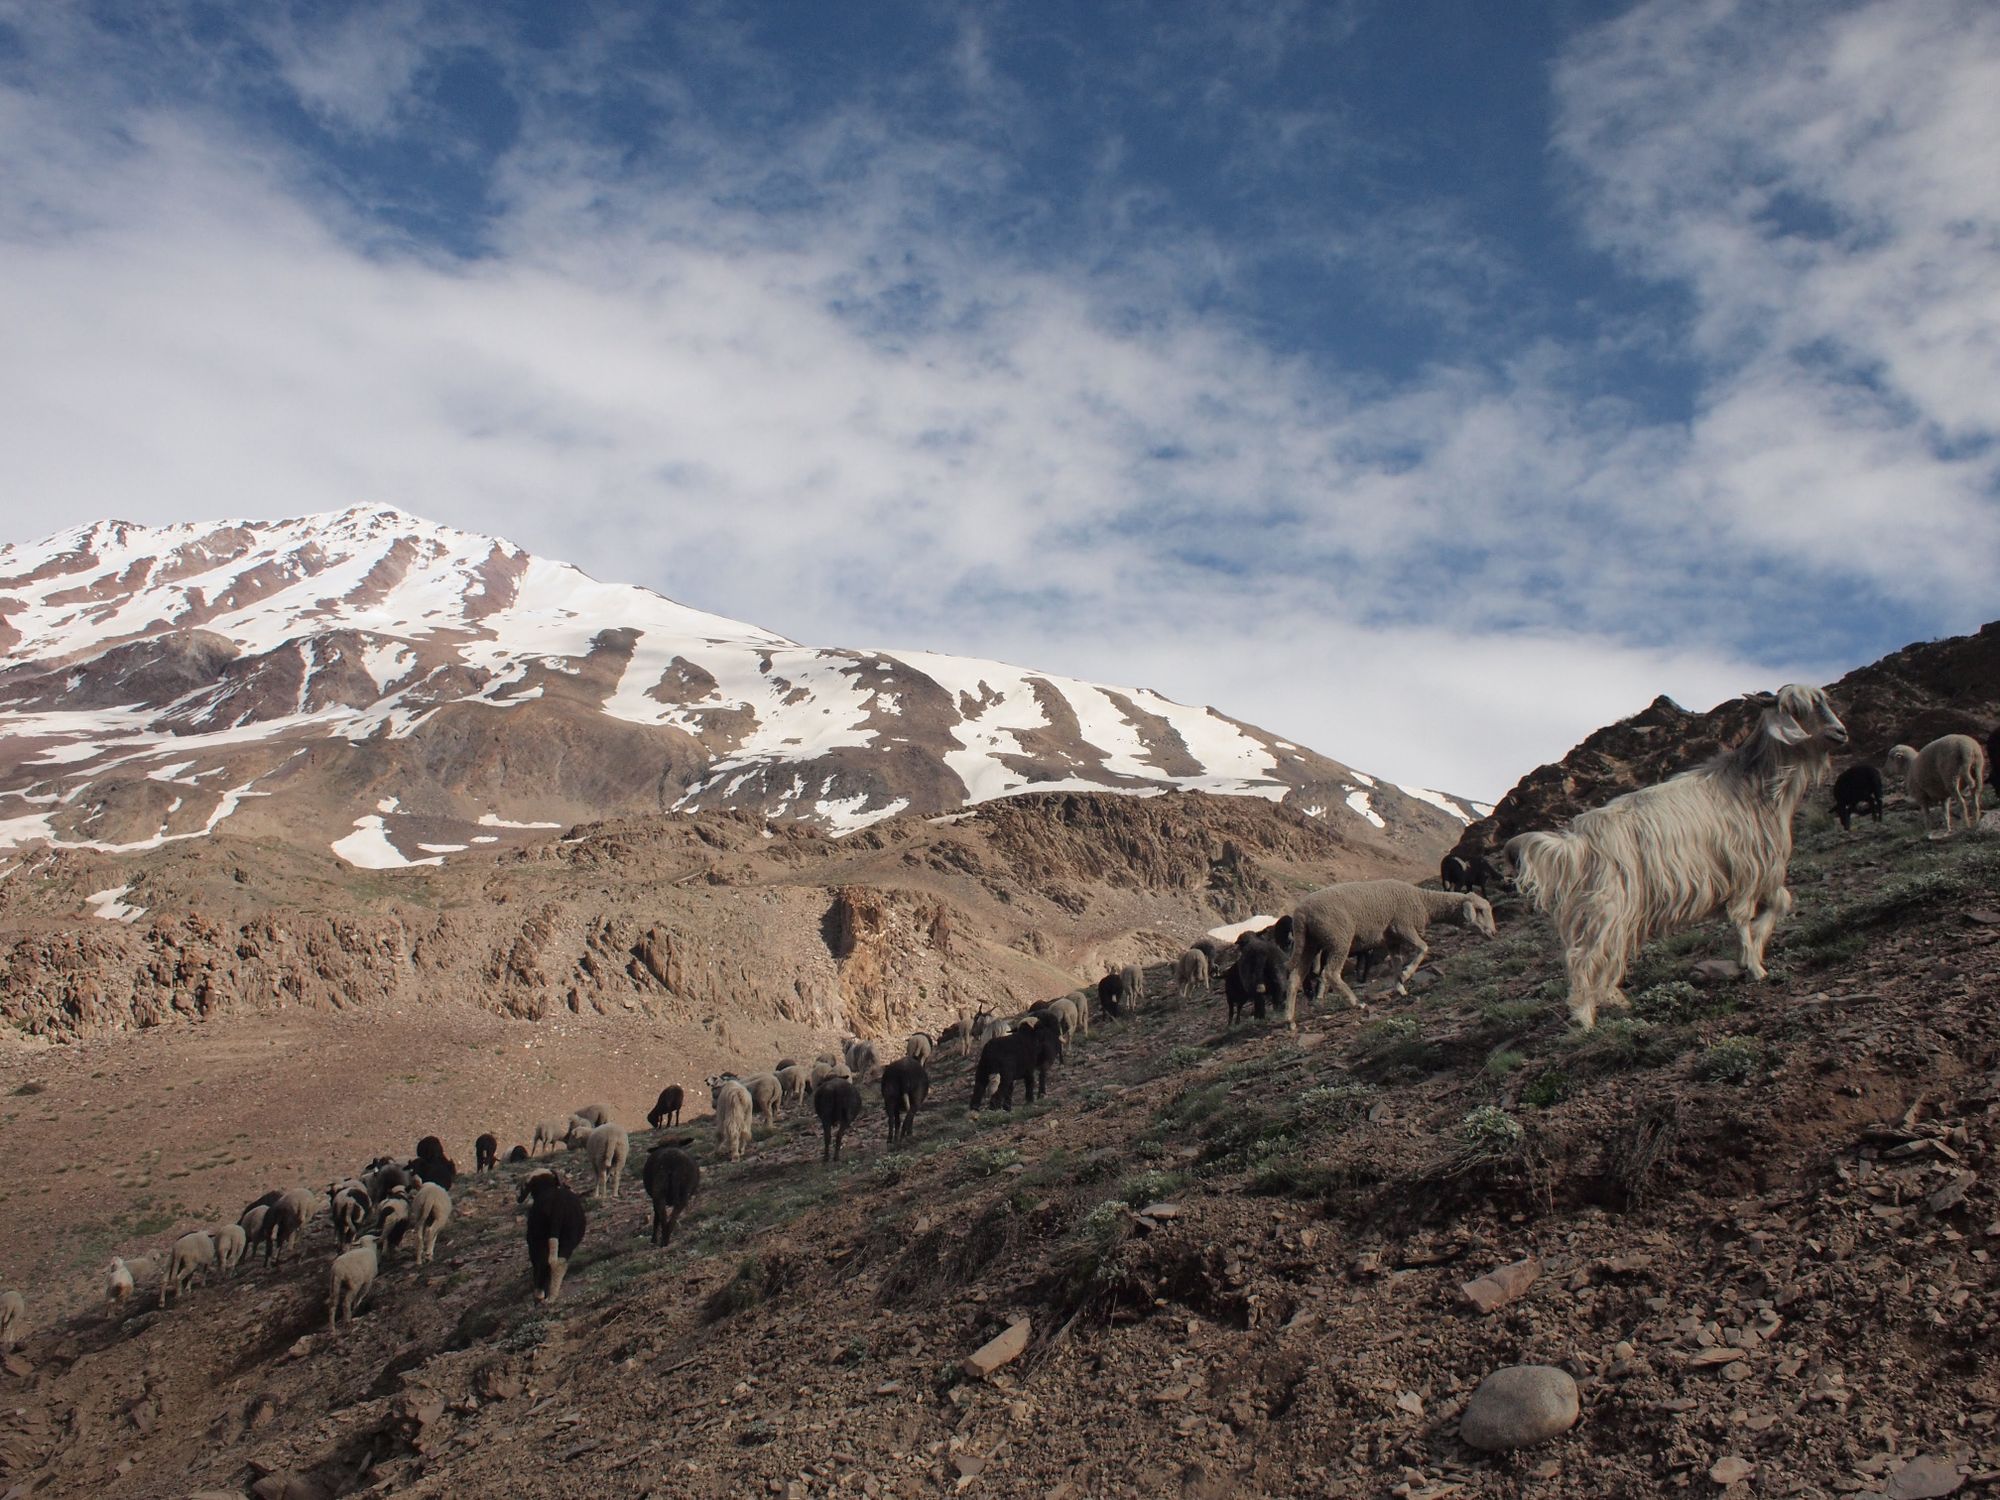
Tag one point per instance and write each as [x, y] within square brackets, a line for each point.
[905, 1086]
[1993, 758]
[1025, 1055]
[1263, 962]
[486, 1153]
[430, 1147]
[1857, 789]
[837, 1102]
[1111, 994]
[281, 1223]
[555, 1228]
[440, 1169]
[518, 1154]
[667, 1108]
[672, 1178]
[1467, 873]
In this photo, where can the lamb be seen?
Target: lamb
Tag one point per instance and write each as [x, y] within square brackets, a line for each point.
[430, 1211]
[905, 1086]
[1062, 1014]
[1329, 924]
[794, 1081]
[861, 1058]
[127, 1276]
[1263, 962]
[556, 1222]
[13, 1314]
[1024, 1056]
[824, 1069]
[351, 1205]
[732, 1117]
[672, 1178]
[1191, 973]
[666, 1109]
[1711, 841]
[1459, 872]
[392, 1220]
[549, 1133]
[609, 1145]
[486, 1153]
[1212, 948]
[194, 1253]
[1858, 789]
[352, 1279]
[597, 1114]
[230, 1241]
[1135, 985]
[766, 1094]
[1951, 768]
[838, 1106]
[920, 1047]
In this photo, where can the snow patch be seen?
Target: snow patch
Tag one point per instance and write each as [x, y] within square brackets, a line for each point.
[494, 820]
[112, 907]
[1358, 801]
[443, 848]
[1236, 930]
[1436, 799]
[368, 847]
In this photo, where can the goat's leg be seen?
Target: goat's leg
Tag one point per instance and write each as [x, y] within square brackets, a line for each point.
[1775, 909]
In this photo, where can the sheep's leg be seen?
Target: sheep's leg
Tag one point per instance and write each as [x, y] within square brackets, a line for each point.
[1414, 939]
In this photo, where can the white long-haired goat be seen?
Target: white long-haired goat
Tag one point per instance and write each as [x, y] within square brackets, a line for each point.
[1711, 841]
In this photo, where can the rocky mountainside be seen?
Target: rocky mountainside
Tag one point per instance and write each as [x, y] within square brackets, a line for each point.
[1911, 696]
[404, 693]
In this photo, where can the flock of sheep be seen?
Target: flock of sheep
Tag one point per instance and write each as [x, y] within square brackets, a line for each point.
[1712, 841]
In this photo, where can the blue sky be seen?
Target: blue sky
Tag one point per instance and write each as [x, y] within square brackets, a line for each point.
[1427, 382]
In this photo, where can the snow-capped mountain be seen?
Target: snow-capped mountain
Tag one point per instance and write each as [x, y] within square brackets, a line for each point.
[406, 691]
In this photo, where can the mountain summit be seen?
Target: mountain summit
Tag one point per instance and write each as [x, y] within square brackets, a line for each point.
[403, 691]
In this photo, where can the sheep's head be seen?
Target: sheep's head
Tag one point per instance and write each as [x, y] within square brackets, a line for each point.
[1476, 912]
[1901, 758]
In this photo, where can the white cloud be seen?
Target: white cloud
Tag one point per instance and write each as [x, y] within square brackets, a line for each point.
[775, 381]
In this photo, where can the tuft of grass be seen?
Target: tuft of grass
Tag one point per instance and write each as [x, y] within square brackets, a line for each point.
[987, 1161]
[1185, 1057]
[1547, 1089]
[1503, 1062]
[1678, 1001]
[1732, 1059]
[1151, 1187]
[1489, 1127]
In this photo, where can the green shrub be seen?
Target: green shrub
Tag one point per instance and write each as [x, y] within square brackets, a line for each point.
[1151, 1187]
[1547, 1089]
[1490, 1127]
[1501, 1063]
[1732, 1059]
[1185, 1057]
[986, 1161]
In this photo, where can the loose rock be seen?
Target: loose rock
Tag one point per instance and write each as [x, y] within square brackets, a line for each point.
[1519, 1406]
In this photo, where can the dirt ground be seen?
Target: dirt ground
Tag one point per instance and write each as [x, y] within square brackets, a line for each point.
[1762, 1221]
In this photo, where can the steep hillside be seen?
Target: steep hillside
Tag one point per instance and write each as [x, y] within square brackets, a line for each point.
[1908, 697]
[404, 693]
[1758, 1221]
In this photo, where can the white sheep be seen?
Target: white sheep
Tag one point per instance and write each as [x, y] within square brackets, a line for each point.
[1331, 923]
[861, 1058]
[1135, 985]
[732, 1117]
[609, 1145]
[794, 1079]
[430, 1211]
[1062, 1014]
[577, 1131]
[13, 1316]
[352, 1279]
[920, 1047]
[766, 1094]
[1191, 973]
[230, 1242]
[597, 1114]
[549, 1133]
[194, 1253]
[1951, 768]
[127, 1276]
[1712, 841]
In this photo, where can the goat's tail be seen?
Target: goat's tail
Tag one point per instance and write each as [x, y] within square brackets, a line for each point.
[1547, 867]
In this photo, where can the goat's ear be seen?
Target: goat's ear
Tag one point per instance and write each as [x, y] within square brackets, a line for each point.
[1762, 700]
[1783, 728]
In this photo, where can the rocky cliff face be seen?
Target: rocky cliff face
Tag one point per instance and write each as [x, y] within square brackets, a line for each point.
[1911, 696]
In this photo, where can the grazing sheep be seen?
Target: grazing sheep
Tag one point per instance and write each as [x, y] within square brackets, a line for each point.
[252, 1222]
[486, 1153]
[127, 1276]
[609, 1145]
[230, 1241]
[441, 1170]
[13, 1314]
[597, 1114]
[672, 1179]
[1135, 985]
[824, 1069]
[577, 1131]
[1024, 1056]
[1460, 873]
[959, 1032]
[732, 1117]
[1212, 948]
[794, 1081]
[1858, 789]
[861, 1058]
[281, 1224]
[1111, 994]
[905, 1086]
[517, 1155]
[548, 1133]
[1191, 973]
[666, 1109]
[766, 1094]
[351, 1280]
[1330, 923]
[1711, 841]
[383, 1175]
[920, 1047]
[350, 1206]
[1951, 768]
[430, 1211]
[838, 1105]
[1063, 1014]
[556, 1222]
[393, 1220]
[1263, 965]
[194, 1253]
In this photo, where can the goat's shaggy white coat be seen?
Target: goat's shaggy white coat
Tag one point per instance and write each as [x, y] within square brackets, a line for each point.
[1951, 768]
[732, 1118]
[1712, 841]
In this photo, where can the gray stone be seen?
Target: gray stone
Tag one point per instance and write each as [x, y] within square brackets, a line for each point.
[1716, 971]
[1519, 1406]
[1925, 1478]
